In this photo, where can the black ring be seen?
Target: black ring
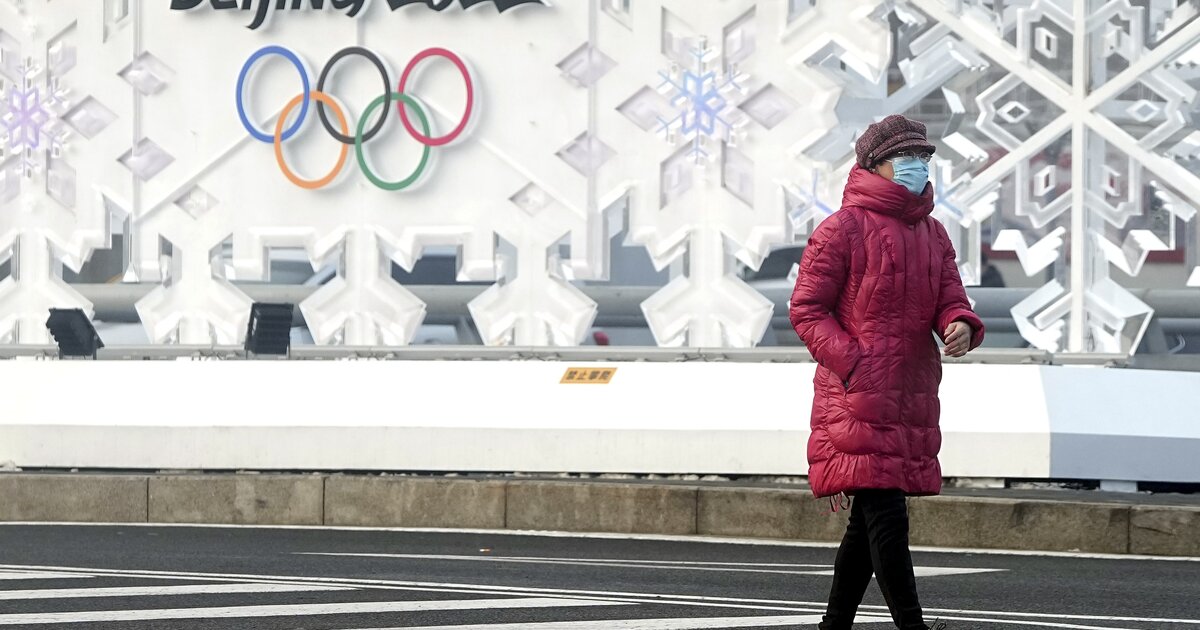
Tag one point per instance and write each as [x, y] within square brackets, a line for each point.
[387, 88]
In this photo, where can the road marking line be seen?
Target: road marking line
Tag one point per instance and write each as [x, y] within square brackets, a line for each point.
[1040, 624]
[588, 563]
[696, 623]
[460, 589]
[289, 610]
[614, 596]
[657, 564]
[603, 560]
[940, 571]
[930, 571]
[718, 540]
[39, 575]
[188, 589]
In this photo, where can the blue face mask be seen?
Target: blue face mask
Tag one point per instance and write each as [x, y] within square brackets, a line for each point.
[911, 173]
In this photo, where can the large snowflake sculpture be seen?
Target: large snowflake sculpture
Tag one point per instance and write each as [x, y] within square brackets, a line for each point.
[1121, 117]
[717, 190]
[52, 125]
[740, 143]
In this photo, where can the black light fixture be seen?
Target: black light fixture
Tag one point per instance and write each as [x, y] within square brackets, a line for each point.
[74, 333]
[270, 329]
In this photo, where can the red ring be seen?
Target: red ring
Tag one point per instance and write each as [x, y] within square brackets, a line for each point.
[466, 75]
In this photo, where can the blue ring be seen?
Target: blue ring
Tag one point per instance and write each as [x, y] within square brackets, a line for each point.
[241, 82]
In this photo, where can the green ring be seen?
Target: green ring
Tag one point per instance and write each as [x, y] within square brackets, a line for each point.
[358, 142]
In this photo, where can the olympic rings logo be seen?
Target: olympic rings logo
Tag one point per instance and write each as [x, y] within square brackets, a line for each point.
[325, 103]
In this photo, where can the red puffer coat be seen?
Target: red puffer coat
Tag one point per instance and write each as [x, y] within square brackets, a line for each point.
[877, 278]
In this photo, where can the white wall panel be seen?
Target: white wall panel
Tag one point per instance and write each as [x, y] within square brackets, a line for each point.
[732, 418]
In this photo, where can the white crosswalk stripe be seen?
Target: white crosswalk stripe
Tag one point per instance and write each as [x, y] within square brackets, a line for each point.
[144, 591]
[39, 575]
[615, 610]
[731, 567]
[695, 623]
[930, 571]
[290, 610]
[151, 596]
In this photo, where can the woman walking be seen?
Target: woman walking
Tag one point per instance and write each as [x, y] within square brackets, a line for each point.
[877, 279]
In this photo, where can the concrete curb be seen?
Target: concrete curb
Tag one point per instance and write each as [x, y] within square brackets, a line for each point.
[1020, 524]
[583, 506]
[237, 499]
[414, 502]
[593, 507]
[1164, 531]
[80, 498]
[767, 513]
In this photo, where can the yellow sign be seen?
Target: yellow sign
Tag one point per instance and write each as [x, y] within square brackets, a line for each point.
[589, 375]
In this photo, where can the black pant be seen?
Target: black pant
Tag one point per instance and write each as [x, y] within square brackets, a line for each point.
[876, 541]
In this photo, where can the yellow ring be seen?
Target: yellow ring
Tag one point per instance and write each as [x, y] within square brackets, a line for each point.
[312, 184]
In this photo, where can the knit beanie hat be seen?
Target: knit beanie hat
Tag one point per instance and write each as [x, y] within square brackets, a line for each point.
[889, 136]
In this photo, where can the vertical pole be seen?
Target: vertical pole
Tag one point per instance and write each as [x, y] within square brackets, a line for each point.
[599, 257]
[593, 112]
[131, 236]
[1079, 179]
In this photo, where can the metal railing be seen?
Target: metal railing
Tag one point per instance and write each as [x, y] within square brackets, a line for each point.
[1176, 311]
[564, 354]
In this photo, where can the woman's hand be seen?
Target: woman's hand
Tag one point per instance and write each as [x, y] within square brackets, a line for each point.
[958, 339]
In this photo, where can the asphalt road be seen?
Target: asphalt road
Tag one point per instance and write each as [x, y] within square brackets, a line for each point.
[192, 578]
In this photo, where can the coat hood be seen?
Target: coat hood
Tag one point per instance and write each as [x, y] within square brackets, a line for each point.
[878, 194]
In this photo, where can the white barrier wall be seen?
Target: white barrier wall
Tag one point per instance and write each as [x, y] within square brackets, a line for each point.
[721, 418]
